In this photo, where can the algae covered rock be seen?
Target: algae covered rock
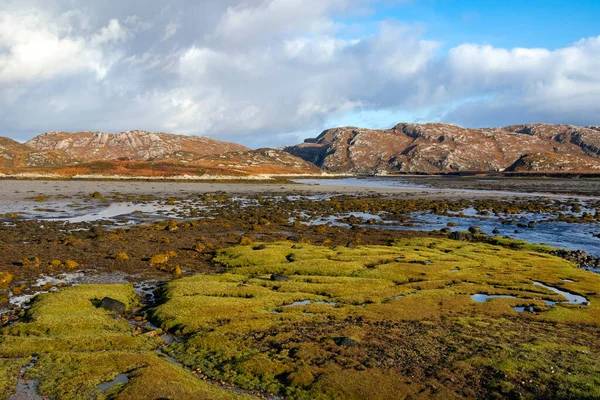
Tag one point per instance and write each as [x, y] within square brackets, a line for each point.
[159, 259]
[245, 240]
[70, 264]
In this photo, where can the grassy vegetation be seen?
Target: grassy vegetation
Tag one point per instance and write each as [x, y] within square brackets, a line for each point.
[384, 321]
[81, 346]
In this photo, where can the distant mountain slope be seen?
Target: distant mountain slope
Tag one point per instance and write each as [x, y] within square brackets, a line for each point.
[436, 147]
[132, 145]
[140, 153]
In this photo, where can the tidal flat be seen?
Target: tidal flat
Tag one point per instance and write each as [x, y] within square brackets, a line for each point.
[146, 290]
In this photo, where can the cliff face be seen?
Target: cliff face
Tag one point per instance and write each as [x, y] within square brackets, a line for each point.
[435, 147]
[131, 145]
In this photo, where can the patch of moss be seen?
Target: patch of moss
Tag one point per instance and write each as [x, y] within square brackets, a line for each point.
[81, 346]
[407, 308]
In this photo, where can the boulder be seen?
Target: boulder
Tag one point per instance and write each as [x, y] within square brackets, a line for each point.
[459, 236]
[474, 229]
[113, 305]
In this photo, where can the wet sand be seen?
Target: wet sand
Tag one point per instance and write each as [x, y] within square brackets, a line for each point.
[15, 190]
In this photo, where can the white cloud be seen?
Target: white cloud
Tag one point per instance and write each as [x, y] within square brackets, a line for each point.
[36, 46]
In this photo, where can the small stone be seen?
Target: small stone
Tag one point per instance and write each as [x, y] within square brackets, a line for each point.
[345, 341]
[279, 278]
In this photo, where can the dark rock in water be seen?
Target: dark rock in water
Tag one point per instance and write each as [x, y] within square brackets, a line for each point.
[474, 229]
[260, 247]
[459, 236]
[531, 224]
[345, 341]
[112, 305]
[522, 225]
[279, 278]
[496, 231]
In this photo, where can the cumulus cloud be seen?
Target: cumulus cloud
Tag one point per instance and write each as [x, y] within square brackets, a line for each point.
[264, 72]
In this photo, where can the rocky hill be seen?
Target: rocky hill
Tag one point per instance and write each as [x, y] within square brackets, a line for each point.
[141, 153]
[132, 145]
[436, 147]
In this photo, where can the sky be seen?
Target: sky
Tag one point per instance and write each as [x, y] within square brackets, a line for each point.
[268, 73]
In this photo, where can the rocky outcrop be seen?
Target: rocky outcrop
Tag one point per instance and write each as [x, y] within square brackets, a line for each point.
[552, 162]
[436, 147]
[131, 145]
[256, 162]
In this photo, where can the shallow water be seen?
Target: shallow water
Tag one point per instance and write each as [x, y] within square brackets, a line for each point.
[423, 184]
[556, 234]
[119, 379]
[571, 297]
[481, 297]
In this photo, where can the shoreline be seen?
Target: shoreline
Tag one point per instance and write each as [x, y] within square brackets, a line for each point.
[22, 189]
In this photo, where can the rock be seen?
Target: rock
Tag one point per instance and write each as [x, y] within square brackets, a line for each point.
[496, 231]
[459, 236]
[350, 245]
[199, 247]
[113, 305]
[31, 262]
[451, 224]
[294, 238]
[345, 341]
[159, 259]
[245, 241]
[70, 264]
[261, 246]
[446, 230]
[531, 224]
[474, 229]
[279, 278]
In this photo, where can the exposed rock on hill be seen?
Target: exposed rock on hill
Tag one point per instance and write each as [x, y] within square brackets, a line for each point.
[132, 145]
[552, 162]
[262, 161]
[436, 147]
[140, 153]
[16, 155]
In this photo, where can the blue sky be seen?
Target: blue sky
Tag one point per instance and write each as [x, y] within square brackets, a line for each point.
[533, 23]
[273, 72]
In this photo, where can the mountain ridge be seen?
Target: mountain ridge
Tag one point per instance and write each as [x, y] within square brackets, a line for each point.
[142, 153]
[446, 148]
